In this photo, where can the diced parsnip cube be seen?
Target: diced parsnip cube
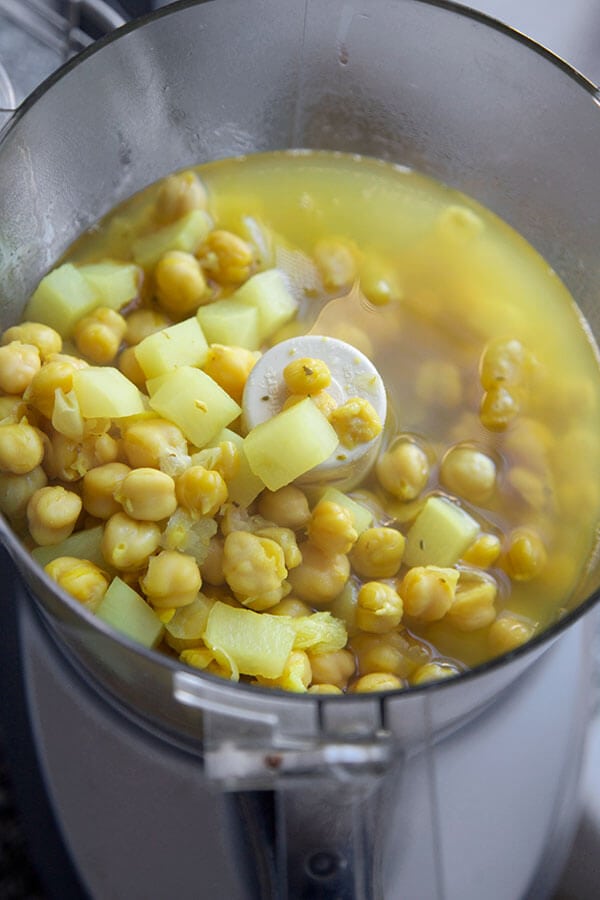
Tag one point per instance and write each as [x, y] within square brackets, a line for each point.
[127, 612]
[188, 625]
[104, 393]
[81, 545]
[189, 398]
[182, 344]
[62, 297]
[257, 643]
[361, 516]
[245, 486]
[268, 292]
[288, 445]
[186, 234]
[440, 534]
[116, 283]
[231, 323]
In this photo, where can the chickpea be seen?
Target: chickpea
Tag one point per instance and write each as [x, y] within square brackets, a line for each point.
[46, 339]
[16, 491]
[324, 689]
[502, 364]
[55, 373]
[336, 263]
[69, 460]
[147, 442]
[127, 544]
[355, 422]
[484, 551]
[21, 448]
[535, 491]
[379, 608]
[286, 539]
[509, 632]
[378, 552]
[324, 402]
[438, 383]
[377, 681]
[379, 282]
[524, 555]
[180, 284]
[224, 459]
[99, 486]
[320, 577]
[99, 335]
[130, 367]
[52, 513]
[333, 667]
[468, 473]
[331, 528]
[394, 652]
[212, 566]
[18, 365]
[498, 408]
[344, 606]
[254, 569]
[428, 592]
[172, 580]
[230, 367]
[147, 495]
[473, 606]
[202, 491]
[80, 578]
[179, 194]
[141, 323]
[227, 257]
[13, 408]
[403, 470]
[290, 606]
[287, 507]
[306, 376]
[434, 671]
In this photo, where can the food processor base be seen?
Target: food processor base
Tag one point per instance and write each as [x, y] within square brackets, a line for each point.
[113, 811]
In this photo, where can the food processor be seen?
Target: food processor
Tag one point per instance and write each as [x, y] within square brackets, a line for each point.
[163, 781]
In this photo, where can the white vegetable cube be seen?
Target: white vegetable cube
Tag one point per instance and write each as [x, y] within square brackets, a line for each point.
[268, 293]
[105, 393]
[186, 234]
[231, 323]
[440, 534]
[189, 398]
[61, 299]
[127, 612]
[288, 445]
[254, 643]
[182, 344]
[86, 544]
[116, 283]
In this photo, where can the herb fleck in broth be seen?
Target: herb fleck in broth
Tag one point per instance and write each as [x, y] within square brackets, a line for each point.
[488, 368]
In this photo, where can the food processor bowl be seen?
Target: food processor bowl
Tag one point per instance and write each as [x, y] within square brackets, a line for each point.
[422, 84]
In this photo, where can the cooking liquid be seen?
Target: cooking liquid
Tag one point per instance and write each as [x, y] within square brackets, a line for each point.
[455, 276]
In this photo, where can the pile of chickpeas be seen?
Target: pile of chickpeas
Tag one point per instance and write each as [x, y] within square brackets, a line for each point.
[289, 553]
